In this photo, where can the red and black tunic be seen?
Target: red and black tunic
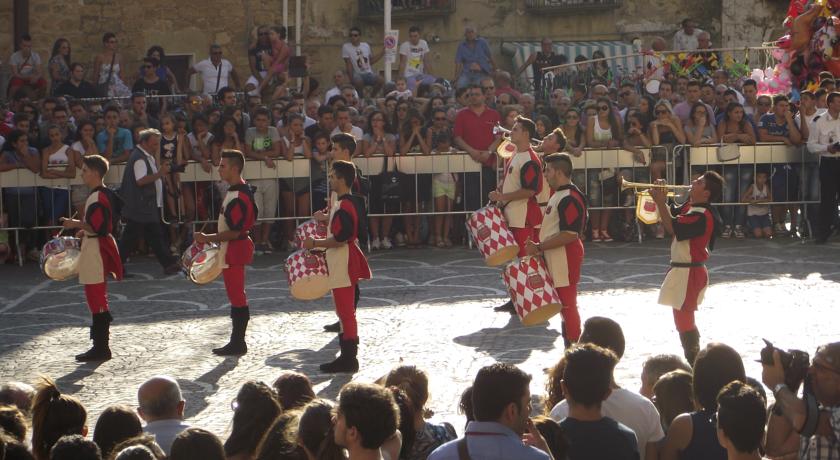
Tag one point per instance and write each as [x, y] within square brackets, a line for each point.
[100, 258]
[238, 213]
[347, 264]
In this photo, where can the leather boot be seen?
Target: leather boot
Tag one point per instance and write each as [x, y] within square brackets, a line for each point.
[566, 342]
[346, 361]
[236, 346]
[691, 344]
[100, 332]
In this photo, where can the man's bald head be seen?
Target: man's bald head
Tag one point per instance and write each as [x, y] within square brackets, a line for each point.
[17, 394]
[160, 398]
[658, 44]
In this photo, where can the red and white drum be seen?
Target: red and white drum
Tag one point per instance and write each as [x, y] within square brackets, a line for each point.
[191, 253]
[307, 274]
[492, 236]
[531, 290]
[310, 229]
[60, 258]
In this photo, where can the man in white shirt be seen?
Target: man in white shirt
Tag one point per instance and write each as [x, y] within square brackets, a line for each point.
[161, 406]
[340, 79]
[824, 140]
[215, 72]
[413, 63]
[26, 69]
[358, 60]
[343, 124]
[622, 405]
[686, 38]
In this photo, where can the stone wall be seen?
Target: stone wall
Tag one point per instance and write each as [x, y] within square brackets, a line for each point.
[189, 26]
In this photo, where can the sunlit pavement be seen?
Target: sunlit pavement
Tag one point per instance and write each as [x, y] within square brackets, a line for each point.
[431, 308]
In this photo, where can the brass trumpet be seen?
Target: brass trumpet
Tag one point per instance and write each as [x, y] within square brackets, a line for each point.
[506, 149]
[646, 209]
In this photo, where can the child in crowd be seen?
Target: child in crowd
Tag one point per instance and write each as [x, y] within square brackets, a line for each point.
[402, 91]
[758, 215]
[444, 186]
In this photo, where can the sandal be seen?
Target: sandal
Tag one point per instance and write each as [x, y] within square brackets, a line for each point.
[596, 236]
[605, 237]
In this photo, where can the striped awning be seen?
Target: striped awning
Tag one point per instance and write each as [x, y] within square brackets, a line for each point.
[519, 52]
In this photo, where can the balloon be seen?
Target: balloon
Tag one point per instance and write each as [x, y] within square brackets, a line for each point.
[833, 66]
[778, 53]
[762, 87]
[783, 42]
[757, 74]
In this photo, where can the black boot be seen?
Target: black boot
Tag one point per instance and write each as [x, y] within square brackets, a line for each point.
[236, 346]
[508, 307]
[100, 332]
[566, 342]
[691, 344]
[346, 361]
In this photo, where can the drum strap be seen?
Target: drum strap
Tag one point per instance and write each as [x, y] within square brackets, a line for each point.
[687, 264]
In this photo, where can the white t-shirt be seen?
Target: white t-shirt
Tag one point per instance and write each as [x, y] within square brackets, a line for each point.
[810, 121]
[629, 408]
[140, 172]
[210, 73]
[359, 56]
[26, 66]
[414, 57]
[355, 131]
[685, 42]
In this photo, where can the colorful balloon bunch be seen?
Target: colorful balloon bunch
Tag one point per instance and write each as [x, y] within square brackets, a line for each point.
[812, 45]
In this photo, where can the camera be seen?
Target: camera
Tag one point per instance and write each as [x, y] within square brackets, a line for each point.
[795, 364]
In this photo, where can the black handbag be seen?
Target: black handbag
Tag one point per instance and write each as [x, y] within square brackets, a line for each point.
[391, 190]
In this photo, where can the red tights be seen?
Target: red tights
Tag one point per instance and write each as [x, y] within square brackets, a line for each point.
[684, 320]
[97, 297]
[345, 306]
[234, 277]
[571, 316]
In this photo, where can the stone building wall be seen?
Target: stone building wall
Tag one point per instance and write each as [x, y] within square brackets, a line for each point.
[189, 26]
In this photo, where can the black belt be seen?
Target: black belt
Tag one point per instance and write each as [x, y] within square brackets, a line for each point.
[687, 264]
[543, 204]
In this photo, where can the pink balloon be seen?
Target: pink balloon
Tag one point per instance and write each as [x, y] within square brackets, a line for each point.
[783, 41]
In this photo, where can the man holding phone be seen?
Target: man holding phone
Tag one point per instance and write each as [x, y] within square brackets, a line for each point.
[142, 192]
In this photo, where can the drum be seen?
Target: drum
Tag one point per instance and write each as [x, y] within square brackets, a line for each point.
[492, 236]
[531, 290]
[307, 274]
[60, 258]
[191, 253]
[205, 266]
[310, 229]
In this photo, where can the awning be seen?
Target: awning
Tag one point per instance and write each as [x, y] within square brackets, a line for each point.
[519, 52]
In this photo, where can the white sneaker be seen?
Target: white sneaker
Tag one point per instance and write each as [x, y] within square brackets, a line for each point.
[399, 238]
[386, 243]
[727, 232]
[375, 244]
[739, 232]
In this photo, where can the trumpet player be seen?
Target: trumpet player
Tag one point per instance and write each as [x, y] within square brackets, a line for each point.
[99, 257]
[560, 239]
[694, 228]
[521, 184]
[238, 216]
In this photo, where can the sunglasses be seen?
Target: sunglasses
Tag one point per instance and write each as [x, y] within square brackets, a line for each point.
[661, 112]
[572, 117]
[354, 35]
[216, 53]
[440, 118]
[603, 108]
[488, 88]
[147, 66]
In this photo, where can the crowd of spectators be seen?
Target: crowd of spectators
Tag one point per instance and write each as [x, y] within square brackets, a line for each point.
[710, 409]
[54, 118]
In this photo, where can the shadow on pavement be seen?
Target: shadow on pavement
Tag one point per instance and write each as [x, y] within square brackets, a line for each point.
[519, 341]
[196, 392]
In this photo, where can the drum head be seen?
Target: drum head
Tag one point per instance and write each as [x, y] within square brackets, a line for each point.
[205, 268]
[63, 265]
[541, 315]
[502, 256]
[310, 288]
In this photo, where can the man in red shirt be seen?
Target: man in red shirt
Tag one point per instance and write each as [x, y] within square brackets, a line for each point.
[474, 134]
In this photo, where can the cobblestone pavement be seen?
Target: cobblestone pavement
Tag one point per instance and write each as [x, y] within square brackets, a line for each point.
[430, 308]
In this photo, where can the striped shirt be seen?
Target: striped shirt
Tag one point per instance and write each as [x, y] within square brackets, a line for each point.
[823, 447]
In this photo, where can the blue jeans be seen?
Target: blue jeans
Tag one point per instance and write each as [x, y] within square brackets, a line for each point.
[467, 77]
[738, 178]
[811, 188]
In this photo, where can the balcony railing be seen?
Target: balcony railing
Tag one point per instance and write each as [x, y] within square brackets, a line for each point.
[403, 9]
[550, 7]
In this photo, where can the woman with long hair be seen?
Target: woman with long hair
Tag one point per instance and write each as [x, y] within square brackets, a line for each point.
[315, 431]
[735, 128]
[254, 410]
[666, 130]
[697, 129]
[85, 145]
[603, 131]
[59, 63]
[378, 141]
[416, 189]
[54, 415]
[173, 149]
[56, 163]
[420, 437]
[107, 68]
[226, 134]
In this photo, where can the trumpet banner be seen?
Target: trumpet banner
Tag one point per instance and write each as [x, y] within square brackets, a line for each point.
[646, 210]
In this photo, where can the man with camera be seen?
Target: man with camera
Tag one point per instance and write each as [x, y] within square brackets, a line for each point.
[815, 416]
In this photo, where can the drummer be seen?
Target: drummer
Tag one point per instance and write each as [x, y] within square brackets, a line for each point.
[695, 228]
[561, 244]
[236, 247]
[520, 187]
[99, 256]
[343, 148]
[345, 261]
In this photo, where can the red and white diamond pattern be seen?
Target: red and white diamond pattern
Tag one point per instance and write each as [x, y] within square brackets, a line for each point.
[309, 229]
[490, 231]
[302, 263]
[530, 285]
